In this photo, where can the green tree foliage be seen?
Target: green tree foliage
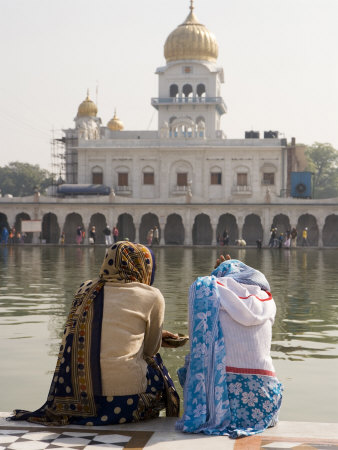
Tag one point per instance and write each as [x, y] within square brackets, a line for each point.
[21, 179]
[323, 162]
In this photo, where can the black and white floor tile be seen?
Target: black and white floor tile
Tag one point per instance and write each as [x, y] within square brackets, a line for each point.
[25, 439]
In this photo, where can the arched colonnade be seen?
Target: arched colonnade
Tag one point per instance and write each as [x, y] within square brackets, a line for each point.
[186, 228]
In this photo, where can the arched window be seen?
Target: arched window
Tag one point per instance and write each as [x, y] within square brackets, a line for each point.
[122, 178]
[187, 90]
[172, 130]
[241, 180]
[148, 175]
[200, 122]
[173, 90]
[215, 175]
[200, 90]
[268, 172]
[97, 175]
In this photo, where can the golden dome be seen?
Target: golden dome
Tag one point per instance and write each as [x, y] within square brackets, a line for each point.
[87, 108]
[191, 40]
[115, 123]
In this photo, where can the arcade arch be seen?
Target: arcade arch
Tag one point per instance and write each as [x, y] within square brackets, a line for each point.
[148, 222]
[174, 230]
[98, 221]
[310, 222]
[227, 222]
[126, 227]
[50, 229]
[330, 231]
[3, 222]
[17, 225]
[73, 220]
[252, 229]
[202, 230]
[282, 223]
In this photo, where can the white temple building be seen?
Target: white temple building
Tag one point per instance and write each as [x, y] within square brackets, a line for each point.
[187, 178]
[189, 155]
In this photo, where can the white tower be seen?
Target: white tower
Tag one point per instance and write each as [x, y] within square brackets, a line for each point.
[86, 122]
[189, 100]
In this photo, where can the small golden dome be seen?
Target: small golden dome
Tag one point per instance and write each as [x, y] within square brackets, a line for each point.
[115, 123]
[87, 108]
[191, 40]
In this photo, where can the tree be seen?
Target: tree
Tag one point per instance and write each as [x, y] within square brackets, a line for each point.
[21, 179]
[323, 162]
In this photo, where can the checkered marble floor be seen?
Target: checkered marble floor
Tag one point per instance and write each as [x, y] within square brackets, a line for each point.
[160, 434]
[36, 439]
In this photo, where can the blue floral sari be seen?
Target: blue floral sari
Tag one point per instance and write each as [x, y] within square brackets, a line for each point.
[218, 401]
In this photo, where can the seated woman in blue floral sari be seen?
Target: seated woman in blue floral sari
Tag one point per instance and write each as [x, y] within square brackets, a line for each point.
[230, 385]
[108, 370]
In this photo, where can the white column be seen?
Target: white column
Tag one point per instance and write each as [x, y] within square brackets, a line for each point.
[36, 216]
[240, 223]
[162, 221]
[137, 231]
[320, 223]
[214, 222]
[187, 227]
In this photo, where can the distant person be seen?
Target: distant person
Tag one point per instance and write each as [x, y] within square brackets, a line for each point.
[62, 238]
[79, 235]
[115, 234]
[273, 236]
[11, 238]
[225, 238]
[259, 243]
[280, 240]
[92, 235]
[293, 242]
[305, 241]
[156, 239]
[150, 237]
[4, 235]
[107, 235]
[287, 241]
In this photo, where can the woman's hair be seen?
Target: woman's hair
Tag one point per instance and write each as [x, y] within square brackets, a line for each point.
[128, 262]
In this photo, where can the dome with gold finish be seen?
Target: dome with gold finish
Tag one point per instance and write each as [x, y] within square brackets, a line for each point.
[87, 108]
[115, 123]
[191, 40]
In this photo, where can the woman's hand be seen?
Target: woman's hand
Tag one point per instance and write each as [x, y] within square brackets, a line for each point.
[221, 259]
[166, 334]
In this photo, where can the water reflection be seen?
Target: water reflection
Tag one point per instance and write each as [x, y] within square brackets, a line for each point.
[37, 285]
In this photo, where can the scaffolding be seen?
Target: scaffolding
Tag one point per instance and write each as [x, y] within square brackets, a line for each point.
[58, 158]
[63, 158]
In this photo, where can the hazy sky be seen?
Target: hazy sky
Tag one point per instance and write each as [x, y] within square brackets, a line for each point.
[280, 62]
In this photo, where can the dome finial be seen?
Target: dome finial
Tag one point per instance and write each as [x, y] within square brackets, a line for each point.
[87, 108]
[115, 123]
[191, 41]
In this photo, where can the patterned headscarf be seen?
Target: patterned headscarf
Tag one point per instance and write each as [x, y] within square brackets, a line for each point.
[128, 262]
[241, 273]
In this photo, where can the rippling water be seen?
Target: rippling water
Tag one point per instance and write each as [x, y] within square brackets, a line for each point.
[37, 283]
